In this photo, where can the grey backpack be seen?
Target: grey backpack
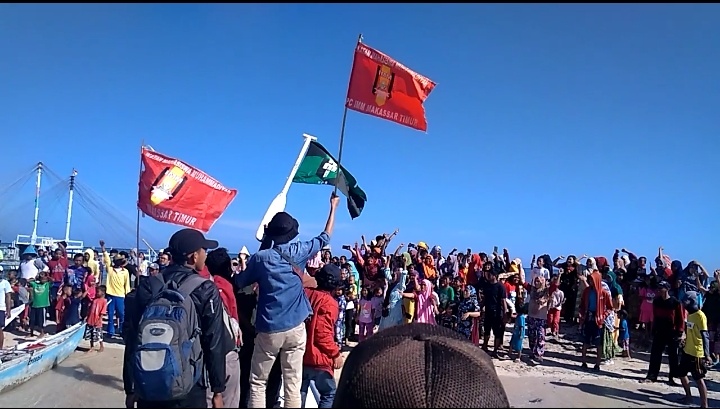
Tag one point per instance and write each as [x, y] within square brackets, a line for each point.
[168, 361]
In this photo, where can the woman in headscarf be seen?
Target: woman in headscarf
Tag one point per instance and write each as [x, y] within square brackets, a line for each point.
[474, 270]
[468, 313]
[569, 286]
[430, 269]
[518, 271]
[610, 333]
[583, 283]
[538, 298]
[424, 303]
[595, 305]
[392, 304]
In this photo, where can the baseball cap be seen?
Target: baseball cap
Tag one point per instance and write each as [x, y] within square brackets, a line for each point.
[187, 241]
[328, 277]
[430, 356]
[664, 284]
[154, 266]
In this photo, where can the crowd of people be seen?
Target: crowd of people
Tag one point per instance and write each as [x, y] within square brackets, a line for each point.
[283, 315]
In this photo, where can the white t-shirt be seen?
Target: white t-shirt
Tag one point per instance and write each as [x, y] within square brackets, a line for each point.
[542, 272]
[5, 288]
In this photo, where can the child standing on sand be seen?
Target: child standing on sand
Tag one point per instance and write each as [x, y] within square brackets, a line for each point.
[367, 314]
[98, 309]
[516, 342]
[624, 334]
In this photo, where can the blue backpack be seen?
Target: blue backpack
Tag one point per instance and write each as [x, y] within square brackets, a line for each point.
[168, 361]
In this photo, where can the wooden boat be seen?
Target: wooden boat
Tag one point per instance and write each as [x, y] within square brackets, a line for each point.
[27, 360]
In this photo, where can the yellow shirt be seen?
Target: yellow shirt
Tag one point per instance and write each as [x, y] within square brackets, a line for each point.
[694, 325]
[118, 279]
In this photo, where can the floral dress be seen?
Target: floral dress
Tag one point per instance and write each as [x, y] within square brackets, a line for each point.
[340, 323]
[469, 304]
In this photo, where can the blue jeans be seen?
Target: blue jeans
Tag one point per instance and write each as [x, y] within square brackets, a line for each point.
[324, 384]
[116, 305]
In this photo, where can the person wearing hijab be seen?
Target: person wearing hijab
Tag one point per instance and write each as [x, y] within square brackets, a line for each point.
[469, 313]
[425, 303]
[538, 300]
[392, 304]
[430, 269]
[594, 309]
[569, 286]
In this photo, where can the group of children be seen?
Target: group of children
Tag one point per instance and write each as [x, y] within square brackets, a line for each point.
[362, 313]
[66, 299]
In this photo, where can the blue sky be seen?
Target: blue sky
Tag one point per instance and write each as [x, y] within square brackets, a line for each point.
[553, 128]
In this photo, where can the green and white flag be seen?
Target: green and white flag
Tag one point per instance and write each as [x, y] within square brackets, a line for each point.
[320, 168]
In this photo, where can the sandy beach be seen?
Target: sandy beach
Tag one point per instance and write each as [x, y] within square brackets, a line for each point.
[94, 379]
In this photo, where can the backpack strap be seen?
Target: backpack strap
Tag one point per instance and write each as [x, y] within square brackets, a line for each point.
[191, 284]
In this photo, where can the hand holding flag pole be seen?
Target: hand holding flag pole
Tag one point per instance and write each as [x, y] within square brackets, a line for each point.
[278, 204]
[345, 111]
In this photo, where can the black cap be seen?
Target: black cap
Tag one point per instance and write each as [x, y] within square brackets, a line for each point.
[187, 241]
[328, 277]
[664, 284]
[429, 356]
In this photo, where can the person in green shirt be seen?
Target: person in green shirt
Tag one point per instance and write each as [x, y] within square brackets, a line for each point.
[446, 293]
[40, 301]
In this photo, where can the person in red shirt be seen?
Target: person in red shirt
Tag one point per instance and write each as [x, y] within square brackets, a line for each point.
[322, 354]
[58, 266]
[98, 308]
[62, 303]
[218, 267]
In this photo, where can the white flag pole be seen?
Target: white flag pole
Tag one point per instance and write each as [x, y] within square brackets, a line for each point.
[278, 204]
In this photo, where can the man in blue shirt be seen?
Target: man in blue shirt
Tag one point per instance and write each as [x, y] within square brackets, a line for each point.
[282, 305]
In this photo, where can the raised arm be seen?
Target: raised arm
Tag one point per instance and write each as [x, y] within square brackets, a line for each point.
[630, 254]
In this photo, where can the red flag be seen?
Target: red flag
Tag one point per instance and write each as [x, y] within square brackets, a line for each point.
[174, 192]
[385, 88]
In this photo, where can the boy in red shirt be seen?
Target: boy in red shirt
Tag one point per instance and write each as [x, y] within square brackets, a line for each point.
[322, 354]
[98, 308]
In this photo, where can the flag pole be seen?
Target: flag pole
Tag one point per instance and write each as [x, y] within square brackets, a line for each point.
[345, 111]
[137, 222]
[278, 204]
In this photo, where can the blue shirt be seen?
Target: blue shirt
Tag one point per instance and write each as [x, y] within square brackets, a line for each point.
[72, 312]
[282, 303]
[75, 275]
[624, 332]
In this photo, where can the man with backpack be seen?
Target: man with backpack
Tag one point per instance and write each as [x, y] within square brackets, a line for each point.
[177, 332]
[282, 306]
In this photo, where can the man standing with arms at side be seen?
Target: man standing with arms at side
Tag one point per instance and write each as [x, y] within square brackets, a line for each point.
[188, 248]
[282, 305]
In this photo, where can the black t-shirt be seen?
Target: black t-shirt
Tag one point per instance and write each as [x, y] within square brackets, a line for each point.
[132, 269]
[493, 296]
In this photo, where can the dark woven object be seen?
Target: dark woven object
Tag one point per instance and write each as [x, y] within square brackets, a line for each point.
[419, 366]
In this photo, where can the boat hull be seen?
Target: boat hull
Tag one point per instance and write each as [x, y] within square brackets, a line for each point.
[24, 368]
